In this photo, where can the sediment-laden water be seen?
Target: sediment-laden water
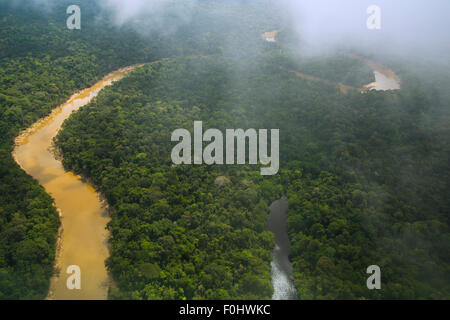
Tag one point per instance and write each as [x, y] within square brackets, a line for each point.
[83, 235]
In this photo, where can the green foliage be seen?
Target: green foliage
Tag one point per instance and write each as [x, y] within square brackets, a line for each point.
[207, 241]
[41, 65]
[349, 207]
[367, 175]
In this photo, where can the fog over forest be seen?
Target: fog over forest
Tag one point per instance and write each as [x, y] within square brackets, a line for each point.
[364, 146]
[410, 28]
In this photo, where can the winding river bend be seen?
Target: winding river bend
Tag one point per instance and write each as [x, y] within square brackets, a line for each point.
[83, 236]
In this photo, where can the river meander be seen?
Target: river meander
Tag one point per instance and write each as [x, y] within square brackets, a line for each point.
[83, 238]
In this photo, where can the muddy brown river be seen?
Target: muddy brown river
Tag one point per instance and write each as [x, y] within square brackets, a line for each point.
[83, 235]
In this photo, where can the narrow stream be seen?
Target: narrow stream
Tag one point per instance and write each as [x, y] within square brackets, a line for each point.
[83, 235]
[282, 270]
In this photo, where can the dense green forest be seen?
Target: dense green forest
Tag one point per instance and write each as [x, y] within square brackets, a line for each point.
[367, 175]
[359, 170]
[41, 65]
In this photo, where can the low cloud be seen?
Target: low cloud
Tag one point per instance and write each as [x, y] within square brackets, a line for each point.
[407, 26]
[146, 16]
